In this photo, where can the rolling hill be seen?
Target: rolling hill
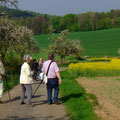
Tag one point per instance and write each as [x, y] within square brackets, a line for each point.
[95, 43]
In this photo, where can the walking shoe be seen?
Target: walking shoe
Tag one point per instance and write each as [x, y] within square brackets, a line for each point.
[22, 103]
[49, 103]
[29, 105]
[1, 102]
[56, 102]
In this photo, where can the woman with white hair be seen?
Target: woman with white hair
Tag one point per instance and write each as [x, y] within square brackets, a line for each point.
[26, 80]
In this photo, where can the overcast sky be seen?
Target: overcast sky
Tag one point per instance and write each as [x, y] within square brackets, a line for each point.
[62, 7]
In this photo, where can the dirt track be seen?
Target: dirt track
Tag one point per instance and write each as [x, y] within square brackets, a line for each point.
[107, 91]
[41, 110]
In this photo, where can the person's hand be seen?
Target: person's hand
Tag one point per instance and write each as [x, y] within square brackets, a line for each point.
[32, 72]
[60, 82]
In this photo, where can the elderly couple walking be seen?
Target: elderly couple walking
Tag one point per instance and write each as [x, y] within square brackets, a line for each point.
[54, 80]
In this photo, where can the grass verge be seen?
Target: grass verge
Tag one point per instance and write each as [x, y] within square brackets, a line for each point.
[12, 81]
[75, 99]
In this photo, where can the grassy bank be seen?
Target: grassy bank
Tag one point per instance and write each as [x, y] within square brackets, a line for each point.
[75, 99]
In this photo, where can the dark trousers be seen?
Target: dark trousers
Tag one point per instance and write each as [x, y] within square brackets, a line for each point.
[35, 75]
[52, 84]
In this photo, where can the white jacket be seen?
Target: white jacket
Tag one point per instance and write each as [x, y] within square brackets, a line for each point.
[26, 74]
[2, 70]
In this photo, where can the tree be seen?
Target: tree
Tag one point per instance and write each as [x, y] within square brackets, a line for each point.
[9, 3]
[77, 49]
[63, 46]
[56, 24]
[50, 28]
[14, 39]
[105, 23]
[68, 21]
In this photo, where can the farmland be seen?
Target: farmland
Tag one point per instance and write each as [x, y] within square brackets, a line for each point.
[106, 90]
[95, 43]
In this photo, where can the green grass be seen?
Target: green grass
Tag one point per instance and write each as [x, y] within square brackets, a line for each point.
[11, 81]
[99, 43]
[95, 43]
[40, 54]
[75, 98]
[95, 73]
[43, 41]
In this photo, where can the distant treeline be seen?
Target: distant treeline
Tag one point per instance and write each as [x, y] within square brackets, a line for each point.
[16, 13]
[44, 24]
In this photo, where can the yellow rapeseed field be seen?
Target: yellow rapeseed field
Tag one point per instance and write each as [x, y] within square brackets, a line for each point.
[101, 59]
[97, 68]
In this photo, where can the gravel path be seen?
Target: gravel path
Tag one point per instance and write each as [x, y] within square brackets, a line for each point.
[12, 110]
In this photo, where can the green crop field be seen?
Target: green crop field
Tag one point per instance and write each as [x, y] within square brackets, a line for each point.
[95, 43]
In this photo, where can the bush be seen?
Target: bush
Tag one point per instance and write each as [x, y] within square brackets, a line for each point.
[64, 46]
[14, 39]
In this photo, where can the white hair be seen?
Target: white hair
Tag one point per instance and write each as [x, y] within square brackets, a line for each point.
[30, 58]
[27, 57]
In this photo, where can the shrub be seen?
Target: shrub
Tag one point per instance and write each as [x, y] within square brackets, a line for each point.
[15, 39]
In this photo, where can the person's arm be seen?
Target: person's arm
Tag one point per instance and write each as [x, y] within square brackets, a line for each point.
[59, 77]
[42, 69]
[2, 69]
[57, 72]
[28, 70]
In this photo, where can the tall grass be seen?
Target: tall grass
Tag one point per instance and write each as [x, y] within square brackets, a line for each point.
[75, 98]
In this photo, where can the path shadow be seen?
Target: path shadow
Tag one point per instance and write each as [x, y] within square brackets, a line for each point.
[62, 100]
[19, 118]
[36, 103]
[37, 96]
[18, 98]
[12, 100]
[32, 118]
[66, 98]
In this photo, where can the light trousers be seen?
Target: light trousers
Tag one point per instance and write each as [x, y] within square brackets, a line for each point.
[28, 88]
[1, 88]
